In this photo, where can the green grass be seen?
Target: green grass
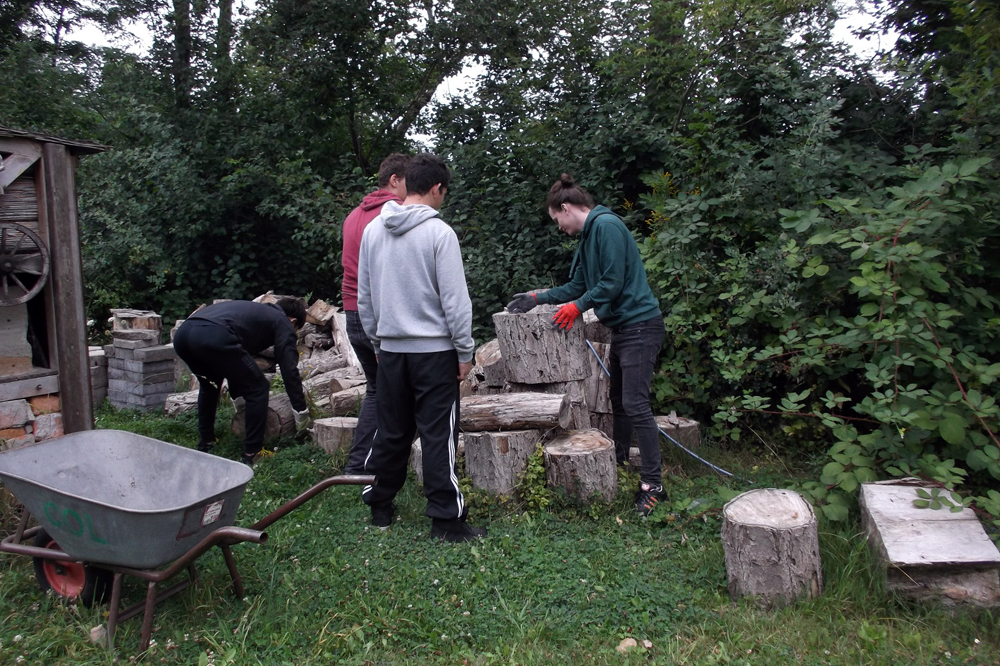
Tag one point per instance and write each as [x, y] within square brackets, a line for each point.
[562, 586]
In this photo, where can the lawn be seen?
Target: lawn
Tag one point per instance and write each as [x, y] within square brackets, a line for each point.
[562, 584]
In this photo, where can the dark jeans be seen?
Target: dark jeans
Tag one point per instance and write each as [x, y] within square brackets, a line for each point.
[418, 394]
[213, 353]
[634, 349]
[367, 428]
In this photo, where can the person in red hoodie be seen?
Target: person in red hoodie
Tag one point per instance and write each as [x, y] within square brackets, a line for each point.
[391, 187]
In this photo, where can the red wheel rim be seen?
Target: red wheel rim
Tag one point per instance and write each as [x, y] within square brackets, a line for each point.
[65, 578]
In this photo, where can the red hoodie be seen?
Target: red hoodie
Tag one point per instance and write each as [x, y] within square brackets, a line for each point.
[354, 227]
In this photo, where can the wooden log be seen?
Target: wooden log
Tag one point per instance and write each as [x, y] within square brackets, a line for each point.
[335, 433]
[338, 384]
[582, 462]
[927, 554]
[515, 411]
[342, 343]
[343, 402]
[489, 360]
[125, 319]
[579, 413]
[321, 362]
[536, 353]
[594, 330]
[686, 431]
[603, 422]
[280, 419]
[598, 388]
[417, 458]
[771, 542]
[494, 461]
[321, 314]
[179, 403]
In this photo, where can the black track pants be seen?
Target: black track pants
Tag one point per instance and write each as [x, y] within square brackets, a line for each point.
[213, 353]
[417, 395]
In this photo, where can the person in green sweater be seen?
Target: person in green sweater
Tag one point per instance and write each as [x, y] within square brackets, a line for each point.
[607, 275]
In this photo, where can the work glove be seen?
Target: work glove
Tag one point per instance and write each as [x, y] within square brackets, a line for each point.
[522, 303]
[566, 316]
[302, 420]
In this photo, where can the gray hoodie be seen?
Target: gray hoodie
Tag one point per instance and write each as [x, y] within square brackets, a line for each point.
[412, 296]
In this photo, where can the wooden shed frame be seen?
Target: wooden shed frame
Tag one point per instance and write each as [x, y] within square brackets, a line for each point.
[51, 163]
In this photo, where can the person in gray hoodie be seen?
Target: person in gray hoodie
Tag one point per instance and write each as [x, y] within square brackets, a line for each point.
[414, 305]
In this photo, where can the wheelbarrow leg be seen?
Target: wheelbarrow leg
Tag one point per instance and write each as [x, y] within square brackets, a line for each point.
[227, 553]
[116, 601]
[147, 616]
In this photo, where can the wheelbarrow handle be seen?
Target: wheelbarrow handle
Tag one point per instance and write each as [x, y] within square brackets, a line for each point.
[285, 509]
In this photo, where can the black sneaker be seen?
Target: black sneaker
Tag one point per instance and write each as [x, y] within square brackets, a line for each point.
[382, 516]
[251, 459]
[455, 530]
[205, 446]
[648, 498]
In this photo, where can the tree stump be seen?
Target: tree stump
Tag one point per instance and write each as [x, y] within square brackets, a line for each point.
[536, 353]
[582, 462]
[515, 411]
[603, 422]
[334, 433]
[280, 419]
[686, 431]
[494, 461]
[417, 456]
[771, 543]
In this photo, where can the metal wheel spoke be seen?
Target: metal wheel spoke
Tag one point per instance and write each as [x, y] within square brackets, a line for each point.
[19, 283]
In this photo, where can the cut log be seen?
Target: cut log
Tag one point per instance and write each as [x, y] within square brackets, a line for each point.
[321, 314]
[334, 434]
[280, 419]
[771, 542]
[179, 403]
[536, 353]
[686, 431]
[125, 319]
[343, 402]
[582, 463]
[342, 343]
[489, 360]
[338, 384]
[579, 413]
[321, 362]
[417, 458]
[494, 461]
[594, 330]
[603, 422]
[515, 411]
[598, 388]
[928, 554]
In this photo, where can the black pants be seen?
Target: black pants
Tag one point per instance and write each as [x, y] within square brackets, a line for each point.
[213, 353]
[367, 428]
[634, 350]
[417, 394]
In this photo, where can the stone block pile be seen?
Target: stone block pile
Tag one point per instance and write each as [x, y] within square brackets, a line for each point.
[140, 369]
[98, 374]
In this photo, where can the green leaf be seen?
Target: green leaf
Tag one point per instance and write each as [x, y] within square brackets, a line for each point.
[952, 428]
[921, 504]
[835, 512]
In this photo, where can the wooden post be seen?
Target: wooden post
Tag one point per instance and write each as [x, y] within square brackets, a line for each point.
[771, 542]
[536, 353]
[582, 462]
[495, 460]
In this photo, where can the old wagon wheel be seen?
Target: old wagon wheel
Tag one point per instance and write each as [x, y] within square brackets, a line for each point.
[24, 264]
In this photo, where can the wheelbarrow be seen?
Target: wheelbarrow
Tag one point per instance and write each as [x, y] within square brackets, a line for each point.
[112, 504]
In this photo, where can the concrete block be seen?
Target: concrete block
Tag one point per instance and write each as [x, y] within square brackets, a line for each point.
[136, 344]
[14, 414]
[141, 368]
[159, 353]
[140, 389]
[48, 426]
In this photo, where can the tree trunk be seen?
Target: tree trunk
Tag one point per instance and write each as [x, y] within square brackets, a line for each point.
[344, 402]
[582, 462]
[334, 434]
[280, 419]
[598, 388]
[536, 353]
[686, 432]
[515, 411]
[579, 413]
[494, 461]
[603, 422]
[771, 543]
[179, 403]
[183, 79]
[321, 362]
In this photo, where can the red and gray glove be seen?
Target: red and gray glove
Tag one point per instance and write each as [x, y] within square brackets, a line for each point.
[522, 303]
[566, 316]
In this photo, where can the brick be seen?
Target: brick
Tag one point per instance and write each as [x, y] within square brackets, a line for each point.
[140, 368]
[48, 426]
[135, 389]
[109, 350]
[44, 404]
[136, 335]
[15, 438]
[14, 414]
[134, 344]
[161, 353]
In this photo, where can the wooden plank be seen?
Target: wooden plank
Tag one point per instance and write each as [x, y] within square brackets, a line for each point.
[907, 536]
[22, 155]
[67, 287]
[40, 382]
[19, 203]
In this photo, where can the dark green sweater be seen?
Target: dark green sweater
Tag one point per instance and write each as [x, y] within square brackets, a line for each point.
[607, 274]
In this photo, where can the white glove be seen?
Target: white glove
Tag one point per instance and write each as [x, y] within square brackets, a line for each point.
[302, 420]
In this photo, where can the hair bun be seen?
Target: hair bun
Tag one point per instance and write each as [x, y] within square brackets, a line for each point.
[567, 180]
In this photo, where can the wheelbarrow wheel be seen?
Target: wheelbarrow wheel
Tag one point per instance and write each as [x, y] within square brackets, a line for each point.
[71, 580]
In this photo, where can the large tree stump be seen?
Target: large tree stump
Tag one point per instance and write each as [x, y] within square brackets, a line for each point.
[280, 419]
[334, 433]
[515, 411]
[417, 456]
[536, 353]
[685, 431]
[582, 462]
[594, 330]
[494, 461]
[603, 422]
[579, 413]
[771, 543]
[598, 385]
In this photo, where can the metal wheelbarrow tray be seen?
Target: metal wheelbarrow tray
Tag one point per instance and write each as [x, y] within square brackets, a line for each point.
[128, 504]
